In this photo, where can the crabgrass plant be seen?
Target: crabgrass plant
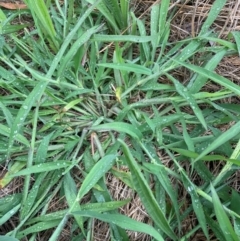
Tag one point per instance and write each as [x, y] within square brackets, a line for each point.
[87, 88]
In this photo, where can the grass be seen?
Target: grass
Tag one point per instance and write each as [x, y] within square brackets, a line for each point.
[114, 129]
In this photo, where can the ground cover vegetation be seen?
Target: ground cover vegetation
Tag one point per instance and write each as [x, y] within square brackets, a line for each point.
[119, 120]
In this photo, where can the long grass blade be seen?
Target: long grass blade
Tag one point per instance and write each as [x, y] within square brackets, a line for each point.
[124, 222]
[145, 193]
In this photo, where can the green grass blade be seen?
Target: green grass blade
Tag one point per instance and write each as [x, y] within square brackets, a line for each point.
[9, 214]
[139, 69]
[107, 14]
[226, 136]
[163, 16]
[7, 238]
[146, 194]
[184, 92]
[196, 203]
[99, 169]
[55, 235]
[41, 226]
[120, 127]
[222, 218]
[76, 45]
[124, 222]
[122, 38]
[201, 80]
[34, 96]
[213, 76]
[68, 40]
[155, 12]
[42, 14]
[43, 167]
[70, 190]
[212, 15]
[5, 131]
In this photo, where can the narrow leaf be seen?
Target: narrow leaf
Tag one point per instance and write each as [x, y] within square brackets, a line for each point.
[146, 194]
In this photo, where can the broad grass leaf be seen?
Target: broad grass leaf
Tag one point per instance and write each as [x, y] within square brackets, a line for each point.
[222, 218]
[139, 69]
[7, 238]
[163, 16]
[224, 137]
[154, 27]
[122, 38]
[42, 150]
[212, 15]
[120, 127]
[98, 170]
[32, 195]
[55, 235]
[41, 226]
[124, 222]
[43, 167]
[146, 194]
[70, 191]
[9, 214]
[94, 207]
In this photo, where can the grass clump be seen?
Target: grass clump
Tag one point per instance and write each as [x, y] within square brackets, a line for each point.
[109, 129]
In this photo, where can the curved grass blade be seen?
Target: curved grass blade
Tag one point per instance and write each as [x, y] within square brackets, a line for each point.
[124, 222]
[146, 194]
[222, 218]
[120, 127]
